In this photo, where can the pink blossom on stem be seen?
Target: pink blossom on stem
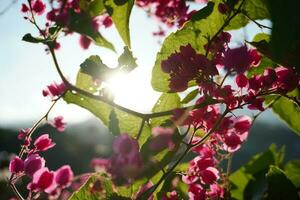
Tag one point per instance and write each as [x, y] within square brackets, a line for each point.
[162, 138]
[24, 8]
[33, 163]
[241, 80]
[63, 176]
[54, 90]
[58, 123]
[23, 133]
[43, 180]
[84, 42]
[16, 165]
[38, 7]
[43, 143]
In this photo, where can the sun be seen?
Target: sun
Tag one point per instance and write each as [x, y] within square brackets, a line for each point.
[133, 91]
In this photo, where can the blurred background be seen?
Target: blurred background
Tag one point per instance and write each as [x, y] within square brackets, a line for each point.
[26, 70]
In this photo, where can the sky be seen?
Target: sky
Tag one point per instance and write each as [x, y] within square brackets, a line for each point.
[26, 69]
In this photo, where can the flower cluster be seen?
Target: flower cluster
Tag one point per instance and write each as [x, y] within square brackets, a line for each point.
[54, 90]
[126, 162]
[33, 166]
[60, 15]
[169, 12]
[185, 66]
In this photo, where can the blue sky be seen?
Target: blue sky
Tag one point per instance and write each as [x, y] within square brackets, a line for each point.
[26, 69]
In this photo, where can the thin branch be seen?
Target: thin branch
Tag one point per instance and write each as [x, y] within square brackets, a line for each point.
[141, 129]
[16, 191]
[254, 21]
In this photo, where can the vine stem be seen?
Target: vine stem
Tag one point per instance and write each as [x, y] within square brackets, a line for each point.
[254, 21]
[16, 191]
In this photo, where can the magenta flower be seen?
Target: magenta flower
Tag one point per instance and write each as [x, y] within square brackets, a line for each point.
[162, 138]
[216, 192]
[196, 192]
[23, 133]
[43, 180]
[209, 175]
[100, 163]
[59, 124]
[38, 7]
[43, 143]
[238, 59]
[24, 8]
[16, 165]
[241, 80]
[54, 90]
[84, 42]
[64, 176]
[125, 145]
[33, 163]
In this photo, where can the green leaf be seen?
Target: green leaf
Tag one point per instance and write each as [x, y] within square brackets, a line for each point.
[113, 125]
[245, 180]
[82, 23]
[279, 186]
[128, 123]
[261, 36]
[85, 192]
[255, 9]
[194, 33]
[288, 111]
[93, 8]
[190, 96]
[29, 38]
[292, 171]
[94, 67]
[167, 101]
[126, 60]
[120, 11]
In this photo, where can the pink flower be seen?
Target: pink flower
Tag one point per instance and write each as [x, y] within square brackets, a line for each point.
[238, 59]
[23, 133]
[54, 90]
[125, 145]
[241, 80]
[38, 7]
[232, 142]
[107, 21]
[196, 192]
[209, 175]
[33, 163]
[223, 8]
[43, 143]
[100, 163]
[58, 123]
[64, 176]
[16, 165]
[43, 180]
[163, 138]
[84, 42]
[242, 124]
[216, 192]
[24, 8]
